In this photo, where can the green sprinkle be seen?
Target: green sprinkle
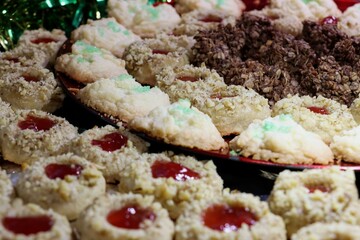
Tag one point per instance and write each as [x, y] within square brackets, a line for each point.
[113, 26]
[126, 32]
[307, 1]
[87, 48]
[81, 60]
[268, 126]
[219, 3]
[154, 12]
[142, 89]
[235, 153]
[123, 77]
[101, 32]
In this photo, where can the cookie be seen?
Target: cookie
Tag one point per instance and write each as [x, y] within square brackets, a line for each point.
[319, 115]
[349, 21]
[110, 149]
[6, 188]
[24, 55]
[142, 18]
[174, 180]
[126, 217]
[229, 7]
[345, 147]
[122, 97]
[34, 134]
[6, 113]
[87, 63]
[145, 59]
[233, 108]
[328, 231]
[65, 183]
[31, 87]
[105, 33]
[31, 222]
[232, 216]
[46, 41]
[355, 110]
[189, 82]
[316, 195]
[281, 140]
[182, 125]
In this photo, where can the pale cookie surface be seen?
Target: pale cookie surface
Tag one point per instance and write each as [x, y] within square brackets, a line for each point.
[142, 18]
[105, 33]
[31, 87]
[27, 144]
[197, 223]
[328, 231]
[68, 194]
[229, 7]
[320, 195]
[145, 59]
[58, 229]
[282, 140]
[355, 110]
[94, 223]
[87, 63]
[46, 41]
[345, 145]
[349, 21]
[6, 188]
[122, 97]
[180, 124]
[233, 108]
[110, 149]
[319, 115]
[155, 174]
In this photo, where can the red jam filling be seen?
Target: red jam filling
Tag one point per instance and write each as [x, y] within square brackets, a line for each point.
[322, 188]
[255, 4]
[329, 20]
[227, 219]
[43, 40]
[163, 169]
[211, 19]
[188, 78]
[28, 224]
[29, 78]
[111, 142]
[159, 51]
[55, 170]
[12, 59]
[36, 123]
[159, 2]
[130, 217]
[319, 110]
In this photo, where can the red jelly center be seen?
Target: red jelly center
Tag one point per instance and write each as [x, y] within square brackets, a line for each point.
[159, 2]
[29, 78]
[319, 110]
[329, 20]
[211, 19]
[36, 123]
[130, 217]
[111, 142]
[12, 59]
[188, 78]
[55, 170]
[28, 225]
[43, 40]
[322, 188]
[255, 4]
[162, 169]
[227, 219]
[159, 51]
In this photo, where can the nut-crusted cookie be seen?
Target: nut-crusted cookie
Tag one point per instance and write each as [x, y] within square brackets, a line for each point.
[316, 195]
[105, 33]
[145, 59]
[229, 7]
[320, 115]
[87, 63]
[6, 114]
[31, 87]
[328, 231]
[189, 82]
[174, 180]
[110, 149]
[46, 41]
[34, 134]
[142, 18]
[24, 55]
[232, 216]
[233, 108]
[65, 183]
[180, 124]
[282, 140]
[31, 222]
[122, 97]
[6, 188]
[126, 217]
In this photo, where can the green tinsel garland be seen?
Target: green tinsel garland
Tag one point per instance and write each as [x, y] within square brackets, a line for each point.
[19, 15]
